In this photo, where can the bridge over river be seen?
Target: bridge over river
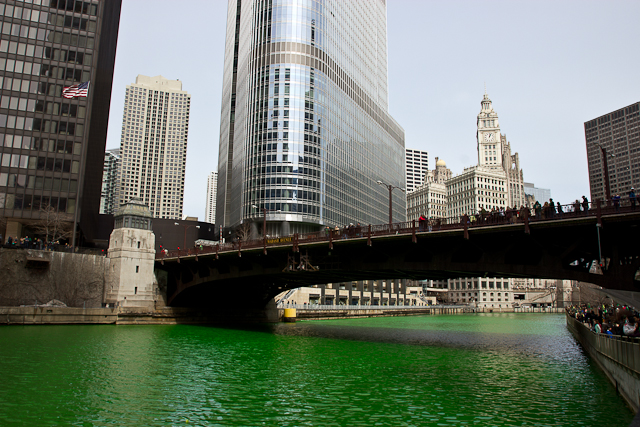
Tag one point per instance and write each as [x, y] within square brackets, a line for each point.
[569, 246]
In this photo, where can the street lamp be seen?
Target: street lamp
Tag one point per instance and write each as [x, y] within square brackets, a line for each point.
[184, 246]
[390, 187]
[264, 218]
[605, 166]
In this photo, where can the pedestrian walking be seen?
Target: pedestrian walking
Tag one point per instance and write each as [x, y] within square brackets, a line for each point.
[632, 199]
[585, 204]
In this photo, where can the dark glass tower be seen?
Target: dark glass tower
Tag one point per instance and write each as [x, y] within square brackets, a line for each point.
[305, 133]
[52, 147]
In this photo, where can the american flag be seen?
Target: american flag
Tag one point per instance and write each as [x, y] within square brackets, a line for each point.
[76, 90]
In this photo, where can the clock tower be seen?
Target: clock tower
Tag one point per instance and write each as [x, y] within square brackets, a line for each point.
[488, 135]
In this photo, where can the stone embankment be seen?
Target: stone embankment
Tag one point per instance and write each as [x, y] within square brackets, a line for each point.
[122, 316]
[34, 277]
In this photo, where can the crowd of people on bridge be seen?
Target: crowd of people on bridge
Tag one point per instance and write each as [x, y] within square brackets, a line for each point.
[613, 320]
[512, 215]
[27, 242]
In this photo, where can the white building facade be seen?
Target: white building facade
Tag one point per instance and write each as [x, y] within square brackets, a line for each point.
[416, 167]
[210, 208]
[501, 293]
[497, 181]
[153, 145]
[430, 198]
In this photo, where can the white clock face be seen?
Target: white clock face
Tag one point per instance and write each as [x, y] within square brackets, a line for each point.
[488, 136]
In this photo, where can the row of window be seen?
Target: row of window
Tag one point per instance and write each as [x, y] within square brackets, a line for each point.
[37, 124]
[39, 163]
[35, 202]
[43, 34]
[40, 144]
[34, 51]
[38, 182]
[77, 6]
[43, 88]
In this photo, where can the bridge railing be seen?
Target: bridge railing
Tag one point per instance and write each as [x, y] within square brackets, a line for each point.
[481, 219]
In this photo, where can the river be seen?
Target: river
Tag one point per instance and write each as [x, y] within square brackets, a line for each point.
[447, 370]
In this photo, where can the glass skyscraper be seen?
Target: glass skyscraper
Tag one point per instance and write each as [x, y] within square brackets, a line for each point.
[305, 133]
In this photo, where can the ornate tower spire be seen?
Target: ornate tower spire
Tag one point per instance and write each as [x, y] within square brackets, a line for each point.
[488, 135]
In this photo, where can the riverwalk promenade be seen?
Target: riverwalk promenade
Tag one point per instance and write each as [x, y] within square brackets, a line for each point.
[617, 356]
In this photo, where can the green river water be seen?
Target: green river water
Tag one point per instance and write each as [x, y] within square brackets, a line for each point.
[447, 370]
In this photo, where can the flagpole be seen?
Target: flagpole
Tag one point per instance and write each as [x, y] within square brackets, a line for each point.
[73, 91]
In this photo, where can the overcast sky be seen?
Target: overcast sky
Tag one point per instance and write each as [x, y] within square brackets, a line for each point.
[548, 66]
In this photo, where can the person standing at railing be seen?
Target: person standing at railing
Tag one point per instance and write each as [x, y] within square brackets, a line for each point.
[559, 210]
[576, 207]
[537, 208]
[585, 205]
[552, 208]
[421, 222]
[616, 202]
[632, 199]
[545, 210]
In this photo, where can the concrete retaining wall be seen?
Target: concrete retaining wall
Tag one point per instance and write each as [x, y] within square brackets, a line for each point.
[620, 360]
[133, 315]
[56, 315]
[31, 277]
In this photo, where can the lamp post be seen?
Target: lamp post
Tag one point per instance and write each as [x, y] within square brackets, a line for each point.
[264, 218]
[605, 166]
[185, 232]
[390, 187]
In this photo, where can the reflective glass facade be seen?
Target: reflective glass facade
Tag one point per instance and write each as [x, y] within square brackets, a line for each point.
[305, 131]
[52, 148]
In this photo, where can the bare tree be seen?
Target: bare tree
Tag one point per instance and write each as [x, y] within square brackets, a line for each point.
[590, 294]
[3, 225]
[243, 232]
[54, 225]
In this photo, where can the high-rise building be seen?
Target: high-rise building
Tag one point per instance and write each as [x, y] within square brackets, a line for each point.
[416, 166]
[305, 132]
[497, 181]
[210, 209]
[53, 140]
[616, 138]
[110, 181]
[153, 145]
[537, 194]
[430, 198]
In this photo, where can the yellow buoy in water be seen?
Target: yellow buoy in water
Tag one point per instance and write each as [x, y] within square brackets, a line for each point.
[289, 314]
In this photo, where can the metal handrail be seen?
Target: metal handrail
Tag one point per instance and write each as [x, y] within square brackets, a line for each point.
[496, 218]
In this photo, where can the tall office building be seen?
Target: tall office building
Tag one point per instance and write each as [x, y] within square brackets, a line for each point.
[305, 132]
[210, 209]
[52, 142]
[110, 182]
[416, 167]
[616, 138]
[153, 145]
